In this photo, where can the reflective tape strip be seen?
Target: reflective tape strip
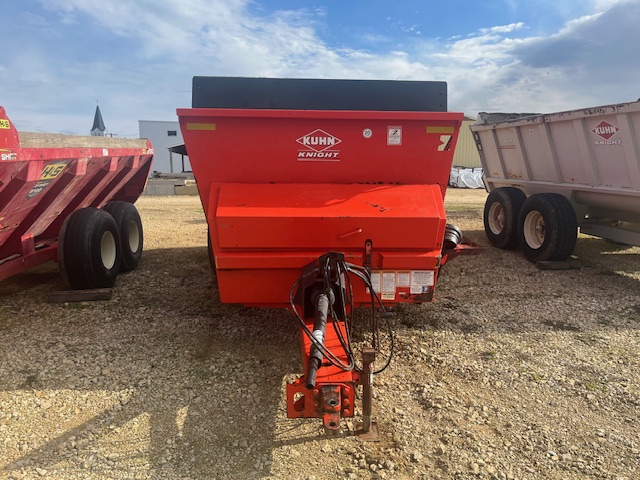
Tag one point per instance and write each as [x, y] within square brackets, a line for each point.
[201, 126]
[440, 130]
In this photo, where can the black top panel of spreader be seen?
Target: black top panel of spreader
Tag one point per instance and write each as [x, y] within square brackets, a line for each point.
[319, 94]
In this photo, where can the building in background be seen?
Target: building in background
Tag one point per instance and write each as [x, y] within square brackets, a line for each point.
[466, 154]
[165, 135]
[466, 169]
[98, 128]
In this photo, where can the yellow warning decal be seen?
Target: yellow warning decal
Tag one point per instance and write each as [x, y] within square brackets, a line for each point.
[201, 126]
[4, 124]
[448, 130]
[52, 170]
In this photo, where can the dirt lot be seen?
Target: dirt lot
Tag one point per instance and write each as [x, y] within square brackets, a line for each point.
[512, 372]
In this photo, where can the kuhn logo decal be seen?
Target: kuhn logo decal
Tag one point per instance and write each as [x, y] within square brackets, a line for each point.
[605, 130]
[319, 145]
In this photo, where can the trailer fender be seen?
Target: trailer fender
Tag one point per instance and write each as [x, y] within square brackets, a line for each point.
[89, 249]
[130, 233]
[547, 228]
[501, 212]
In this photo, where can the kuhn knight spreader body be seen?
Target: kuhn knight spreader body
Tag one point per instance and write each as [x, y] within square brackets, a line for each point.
[52, 188]
[320, 196]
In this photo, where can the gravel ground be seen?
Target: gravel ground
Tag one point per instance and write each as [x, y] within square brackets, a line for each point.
[512, 372]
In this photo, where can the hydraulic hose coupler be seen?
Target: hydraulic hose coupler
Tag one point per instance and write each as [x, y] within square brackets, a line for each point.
[322, 300]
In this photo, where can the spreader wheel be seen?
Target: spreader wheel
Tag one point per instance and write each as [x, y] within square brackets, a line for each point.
[501, 216]
[89, 249]
[130, 232]
[547, 227]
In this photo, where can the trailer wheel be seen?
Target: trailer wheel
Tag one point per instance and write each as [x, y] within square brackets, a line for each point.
[89, 249]
[547, 227]
[130, 228]
[501, 216]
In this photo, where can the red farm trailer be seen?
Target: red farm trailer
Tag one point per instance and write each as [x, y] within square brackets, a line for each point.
[70, 198]
[322, 196]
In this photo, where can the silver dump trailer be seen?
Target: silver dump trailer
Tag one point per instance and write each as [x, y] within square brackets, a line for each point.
[548, 175]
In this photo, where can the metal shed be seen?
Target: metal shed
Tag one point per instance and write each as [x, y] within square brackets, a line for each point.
[165, 135]
[466, 154]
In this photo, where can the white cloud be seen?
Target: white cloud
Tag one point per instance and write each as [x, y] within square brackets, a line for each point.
[169, 42]
[576, 24]
[503, 28]
[602, 5]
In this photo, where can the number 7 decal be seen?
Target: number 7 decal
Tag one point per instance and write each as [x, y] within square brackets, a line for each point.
[445, 144]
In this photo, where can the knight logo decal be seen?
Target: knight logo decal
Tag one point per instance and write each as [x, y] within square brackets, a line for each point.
[606, 131]
[319, 146]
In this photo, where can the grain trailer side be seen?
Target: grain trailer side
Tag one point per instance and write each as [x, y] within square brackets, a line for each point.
[550, 175]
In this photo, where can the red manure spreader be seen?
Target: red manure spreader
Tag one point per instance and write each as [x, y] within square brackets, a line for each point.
[70, 198]
[322, 196]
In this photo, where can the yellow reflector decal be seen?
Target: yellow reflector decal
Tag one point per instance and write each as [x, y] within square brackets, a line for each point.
[4, 124]
[52, 170]
[201, 126]
[448, 130]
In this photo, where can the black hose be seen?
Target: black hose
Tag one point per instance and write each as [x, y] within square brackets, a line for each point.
[322, 301]
[327, 353]
[325, 312]
[364, 274]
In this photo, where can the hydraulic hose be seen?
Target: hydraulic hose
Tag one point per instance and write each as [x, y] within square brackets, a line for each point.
[322, 300]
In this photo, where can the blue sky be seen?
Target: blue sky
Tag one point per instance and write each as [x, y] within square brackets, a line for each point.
[137, 57]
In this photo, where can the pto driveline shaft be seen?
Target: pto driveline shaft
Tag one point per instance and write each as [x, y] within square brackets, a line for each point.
[322, 301]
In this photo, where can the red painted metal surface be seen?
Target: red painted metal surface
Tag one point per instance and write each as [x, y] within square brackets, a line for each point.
[310, 403]
[251, 216]
[41, 186]
[281, 187]
[269, 232]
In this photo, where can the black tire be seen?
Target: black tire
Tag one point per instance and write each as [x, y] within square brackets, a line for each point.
[501, 216]
[130, 229]
[89, 250]
[547, 228]
[452, 237]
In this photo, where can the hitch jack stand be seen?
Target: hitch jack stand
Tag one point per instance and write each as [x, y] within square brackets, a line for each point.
[368, 429]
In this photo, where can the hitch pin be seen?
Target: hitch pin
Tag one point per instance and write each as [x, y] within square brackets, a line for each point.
[345, 235]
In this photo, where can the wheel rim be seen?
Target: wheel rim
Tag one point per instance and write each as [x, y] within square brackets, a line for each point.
[534, 229]
[496, 218]
[108, 250]
[134, 237]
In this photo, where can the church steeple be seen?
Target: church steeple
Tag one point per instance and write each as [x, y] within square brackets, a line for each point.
[98, 128]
